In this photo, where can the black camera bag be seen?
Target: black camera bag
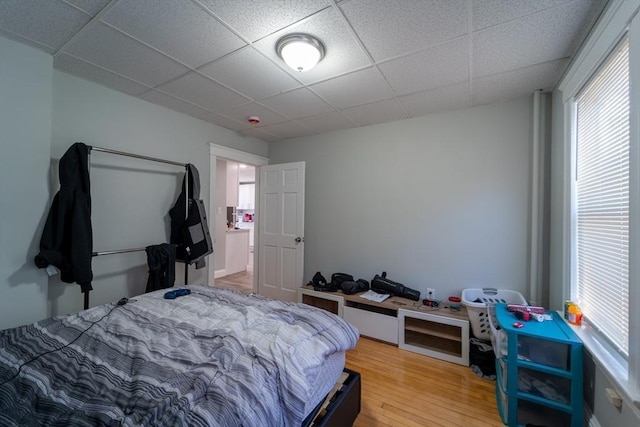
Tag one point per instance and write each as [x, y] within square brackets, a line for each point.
[319, 283]
[383, 285]
[350, 287]
[338, 278]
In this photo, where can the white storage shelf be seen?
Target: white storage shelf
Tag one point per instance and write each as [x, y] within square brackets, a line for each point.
[440, 334]
[374, 320]
[383, 327]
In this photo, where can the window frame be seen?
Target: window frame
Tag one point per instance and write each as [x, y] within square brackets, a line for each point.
[574, 209]
[619, 18]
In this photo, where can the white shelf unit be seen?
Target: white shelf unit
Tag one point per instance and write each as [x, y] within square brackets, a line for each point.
[330, 301]
[373, 319]
[441, 334]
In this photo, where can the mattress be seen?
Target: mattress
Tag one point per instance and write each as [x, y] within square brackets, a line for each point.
[215, 357]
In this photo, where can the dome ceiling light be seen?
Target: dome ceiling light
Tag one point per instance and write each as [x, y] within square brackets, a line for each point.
[300, 51]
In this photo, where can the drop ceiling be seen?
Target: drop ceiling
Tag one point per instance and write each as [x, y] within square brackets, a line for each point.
[385, 60]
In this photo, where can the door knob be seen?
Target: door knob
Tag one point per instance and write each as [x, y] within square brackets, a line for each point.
[299, 239]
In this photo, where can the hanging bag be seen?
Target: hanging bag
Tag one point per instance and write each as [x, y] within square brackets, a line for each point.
[191, 235]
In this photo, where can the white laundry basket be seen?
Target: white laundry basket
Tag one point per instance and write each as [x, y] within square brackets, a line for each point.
[477, 300]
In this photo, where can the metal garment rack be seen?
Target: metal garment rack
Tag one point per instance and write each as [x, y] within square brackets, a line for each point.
[152, 159]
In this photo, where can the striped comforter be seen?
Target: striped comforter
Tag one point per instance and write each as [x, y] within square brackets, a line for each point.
[214, 358]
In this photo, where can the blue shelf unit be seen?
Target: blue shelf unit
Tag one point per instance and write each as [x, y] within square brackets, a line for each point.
[539, 371]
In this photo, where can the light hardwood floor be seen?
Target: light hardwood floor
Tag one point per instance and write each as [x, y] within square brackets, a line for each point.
[402, 388]
[242, 281]
[405, 389]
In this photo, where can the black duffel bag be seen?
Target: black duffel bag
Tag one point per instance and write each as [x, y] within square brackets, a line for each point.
[383, 285]
[350, 287]
[338, 278]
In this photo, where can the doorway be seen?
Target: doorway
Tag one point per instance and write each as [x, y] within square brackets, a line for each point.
[240, 198]
[232, 219]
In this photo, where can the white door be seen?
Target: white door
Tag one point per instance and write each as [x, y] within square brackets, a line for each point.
[281, 224]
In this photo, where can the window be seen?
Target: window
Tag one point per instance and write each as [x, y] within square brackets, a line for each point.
[601, 200]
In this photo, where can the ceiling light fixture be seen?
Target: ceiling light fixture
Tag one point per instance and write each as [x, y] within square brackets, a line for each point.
[300, 51]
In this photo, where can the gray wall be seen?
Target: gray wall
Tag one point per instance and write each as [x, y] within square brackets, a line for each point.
[45, 111]
[130, 198]
[440, 201]
[25, 141]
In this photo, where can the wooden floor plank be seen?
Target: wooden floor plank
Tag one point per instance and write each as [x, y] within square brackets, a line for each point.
[402, 388]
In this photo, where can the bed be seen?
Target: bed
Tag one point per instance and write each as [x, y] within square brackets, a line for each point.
[214, 357]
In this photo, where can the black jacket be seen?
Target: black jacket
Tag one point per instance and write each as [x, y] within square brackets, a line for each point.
[67, 241]
[190, 234]
[162, 266]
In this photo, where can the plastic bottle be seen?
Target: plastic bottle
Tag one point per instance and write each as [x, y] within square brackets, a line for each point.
[574, 314]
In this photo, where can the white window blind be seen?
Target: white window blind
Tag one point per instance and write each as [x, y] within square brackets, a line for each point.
[602, 199]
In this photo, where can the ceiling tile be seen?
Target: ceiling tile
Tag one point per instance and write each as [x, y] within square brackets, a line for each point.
[327, 122]
[114, 51]
[386, 59]
[203, 92]
[287, 130]
[225, 122]
[91, 7]
[178, 28]
[360, 87]
[257, 133]
[343, 54]
[248, 69]
[83, 69]
[169, 101]
[18, 38]
[378, 112]
[394, 27]
[49, 23]
[257, 19]
[297, 103]
[428, 69]
[545, 36]
[487, 13]
[242, 112]
[437, 100]
[517, 83]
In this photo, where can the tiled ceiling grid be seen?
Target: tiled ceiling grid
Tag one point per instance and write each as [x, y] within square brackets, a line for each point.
[386, 59]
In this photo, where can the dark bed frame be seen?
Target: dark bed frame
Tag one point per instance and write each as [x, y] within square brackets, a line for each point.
[343, 408]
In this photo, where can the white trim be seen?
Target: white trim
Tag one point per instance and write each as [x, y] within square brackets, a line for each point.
[620, 17]
[567, 215]
[590, 419]
[634, 203]
[236, 155]
[604, 37]
[219, 151]
[219, 273]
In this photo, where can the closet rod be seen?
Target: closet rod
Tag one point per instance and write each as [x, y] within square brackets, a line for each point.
[137, 156]
[186, 199]
[119, 251]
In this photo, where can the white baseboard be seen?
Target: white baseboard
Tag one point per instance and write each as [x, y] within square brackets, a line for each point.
[219, 273]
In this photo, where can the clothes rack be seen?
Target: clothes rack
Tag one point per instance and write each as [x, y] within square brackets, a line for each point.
[153, 159]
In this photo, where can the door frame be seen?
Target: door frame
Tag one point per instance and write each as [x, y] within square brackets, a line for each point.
[225, 153]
